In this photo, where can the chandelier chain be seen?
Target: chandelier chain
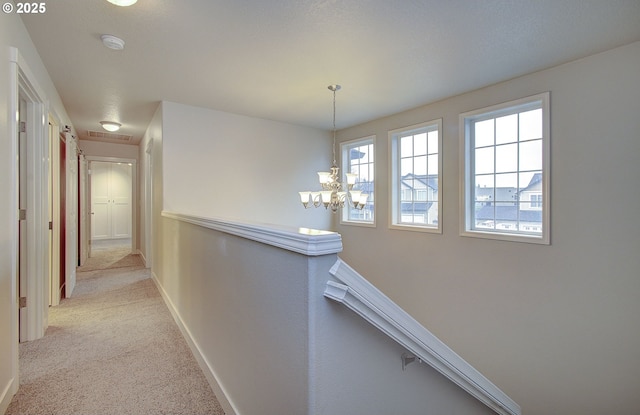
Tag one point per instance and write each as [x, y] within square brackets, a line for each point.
[335, 163]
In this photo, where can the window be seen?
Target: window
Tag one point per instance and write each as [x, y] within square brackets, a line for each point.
[415, 177]
[358, 158]
[505, 157]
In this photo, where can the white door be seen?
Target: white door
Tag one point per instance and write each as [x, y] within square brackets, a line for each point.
[121, 200]
[100, 211]
[110, 200]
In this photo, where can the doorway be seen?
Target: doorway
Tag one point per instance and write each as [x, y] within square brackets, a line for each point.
[110, 201]
[30, 259]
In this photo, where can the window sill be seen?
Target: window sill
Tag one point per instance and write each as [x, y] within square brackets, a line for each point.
[509, 237]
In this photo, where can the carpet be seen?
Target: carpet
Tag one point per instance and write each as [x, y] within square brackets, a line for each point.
[111, 258]
[113, 348]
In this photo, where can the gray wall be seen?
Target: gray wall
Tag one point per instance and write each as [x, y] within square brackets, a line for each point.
[556, 327]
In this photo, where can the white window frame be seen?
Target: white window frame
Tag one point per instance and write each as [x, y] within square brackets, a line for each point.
[466, 169]
[395, 176]
[345, 147]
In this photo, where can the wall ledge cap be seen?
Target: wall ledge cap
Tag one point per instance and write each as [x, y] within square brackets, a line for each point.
[310, 242]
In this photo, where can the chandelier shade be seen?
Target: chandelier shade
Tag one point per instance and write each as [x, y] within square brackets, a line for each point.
[334, 194]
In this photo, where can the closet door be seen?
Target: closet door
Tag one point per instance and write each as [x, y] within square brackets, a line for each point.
[100, 205]
[120, 182]
[110, 200]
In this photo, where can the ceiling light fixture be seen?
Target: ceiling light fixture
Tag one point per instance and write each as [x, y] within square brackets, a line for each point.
[110, 126]
[123, 3]
[112, 42]
[333, 195]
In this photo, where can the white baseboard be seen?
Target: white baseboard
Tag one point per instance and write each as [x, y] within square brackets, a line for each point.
[7, 394]
[229, 408]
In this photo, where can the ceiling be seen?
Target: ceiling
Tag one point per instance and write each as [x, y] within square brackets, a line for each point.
[274, 59]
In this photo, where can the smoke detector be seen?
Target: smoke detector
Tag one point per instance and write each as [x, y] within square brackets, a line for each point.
[112, 42]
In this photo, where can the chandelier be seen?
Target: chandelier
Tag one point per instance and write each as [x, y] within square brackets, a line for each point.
[334, 194]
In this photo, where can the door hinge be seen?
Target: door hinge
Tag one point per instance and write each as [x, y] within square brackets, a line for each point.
[23, 302]
[22, 214]
[23, 127]
[50, 225]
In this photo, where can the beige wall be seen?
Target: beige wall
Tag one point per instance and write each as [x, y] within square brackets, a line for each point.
[223, 165]
[556, 327]
[14, 34]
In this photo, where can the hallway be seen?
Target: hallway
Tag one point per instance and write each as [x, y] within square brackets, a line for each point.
[113, 348]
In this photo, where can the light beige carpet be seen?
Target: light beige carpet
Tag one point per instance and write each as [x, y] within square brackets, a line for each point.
[111, 258]
[113, 348]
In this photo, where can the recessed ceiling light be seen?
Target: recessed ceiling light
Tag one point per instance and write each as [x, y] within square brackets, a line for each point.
[122, 2]
[112, 42]
[110, 125]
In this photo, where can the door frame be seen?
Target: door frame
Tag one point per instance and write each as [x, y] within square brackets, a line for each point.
[134, 196]
[23, 84]
[54, 185]
[148, 205]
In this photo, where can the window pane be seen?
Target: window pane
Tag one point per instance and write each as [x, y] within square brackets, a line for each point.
[432, 214]
[432, 165]
[406, 166]
[531, 124]
[420, 166]
[507, 129]
[509, 180]
[364, 155]
[406, 146]
[506, 216]
[531, 155]
[506, 187]
[420, 144]
[483, 134]
[484, 191]
[486, 180]
[433, 142]
[507, 158]
[484, 160]
[484, 216]
[530, 180]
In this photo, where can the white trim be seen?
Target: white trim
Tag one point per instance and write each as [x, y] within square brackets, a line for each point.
[7, 395]
[394, 188]
[13, 197]
[310, 242]
[367, 301]
[371, 139]
[23, 82]
[465, 173]
[134, 192]
[54, 161]
[147, 197]
[207, 368]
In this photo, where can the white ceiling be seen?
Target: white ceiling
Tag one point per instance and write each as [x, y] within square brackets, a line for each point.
[274, 59]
